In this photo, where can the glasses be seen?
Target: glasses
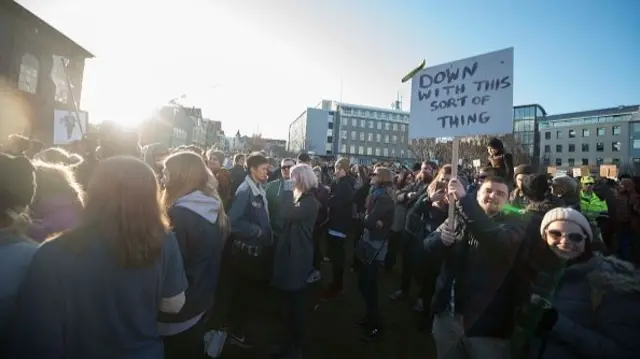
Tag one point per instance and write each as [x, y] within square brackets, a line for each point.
[573, 237]
[286, 167]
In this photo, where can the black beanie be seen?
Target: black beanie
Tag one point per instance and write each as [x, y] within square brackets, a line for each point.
[17, 182]
[416, 167]
[535, 187]
[496, 144]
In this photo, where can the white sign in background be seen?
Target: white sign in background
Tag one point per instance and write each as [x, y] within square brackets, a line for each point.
[66, 128]
[467, 97]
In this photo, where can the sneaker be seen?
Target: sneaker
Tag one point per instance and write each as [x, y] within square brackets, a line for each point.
[239, 341]
[371, 334]
[314, 276]
[419, 306]
[397, 295]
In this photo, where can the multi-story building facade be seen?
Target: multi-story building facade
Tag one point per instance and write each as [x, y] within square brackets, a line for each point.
[596, 137]
[37, 62]
[362, 133]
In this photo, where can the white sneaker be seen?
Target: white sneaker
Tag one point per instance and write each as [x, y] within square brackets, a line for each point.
[314, 276]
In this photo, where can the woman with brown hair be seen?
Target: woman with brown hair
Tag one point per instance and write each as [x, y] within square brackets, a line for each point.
[95, 291]
[58, 201]
[200, 225]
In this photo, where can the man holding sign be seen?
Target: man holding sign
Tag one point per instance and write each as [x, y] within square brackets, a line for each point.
[474, 304]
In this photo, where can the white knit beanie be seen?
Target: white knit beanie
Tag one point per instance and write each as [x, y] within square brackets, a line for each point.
[566, 214]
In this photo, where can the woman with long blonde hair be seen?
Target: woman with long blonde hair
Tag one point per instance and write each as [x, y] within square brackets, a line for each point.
[200, 224]
[95, 291]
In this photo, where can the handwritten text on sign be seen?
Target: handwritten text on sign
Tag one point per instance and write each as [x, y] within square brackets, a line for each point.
[468, 97]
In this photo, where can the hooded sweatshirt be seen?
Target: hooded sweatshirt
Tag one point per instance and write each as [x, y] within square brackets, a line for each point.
[195, 223]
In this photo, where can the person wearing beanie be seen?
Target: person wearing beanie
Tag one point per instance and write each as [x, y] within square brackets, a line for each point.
[593, 311]
[517, 198]
[17, 188]
[500, 160]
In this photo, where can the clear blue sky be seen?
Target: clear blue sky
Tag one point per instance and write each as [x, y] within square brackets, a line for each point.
[256, 64]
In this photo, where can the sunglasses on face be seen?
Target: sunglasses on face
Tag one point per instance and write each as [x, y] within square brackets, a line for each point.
[573, 237]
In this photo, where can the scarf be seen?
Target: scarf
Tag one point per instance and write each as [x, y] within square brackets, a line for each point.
[371, 198]
[258, 189]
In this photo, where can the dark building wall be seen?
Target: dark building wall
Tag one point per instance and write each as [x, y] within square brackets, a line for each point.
[22, 32]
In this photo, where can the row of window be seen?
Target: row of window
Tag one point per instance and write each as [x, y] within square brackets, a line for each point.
[29, 76]
[585, 161]
[584, 121]
[615, 147]
[370, 151]
[380, 125]
[375, 114]
[370, 136]
[600, 131]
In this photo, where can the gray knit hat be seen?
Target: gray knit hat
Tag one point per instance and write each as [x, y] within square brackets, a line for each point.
[569, 215]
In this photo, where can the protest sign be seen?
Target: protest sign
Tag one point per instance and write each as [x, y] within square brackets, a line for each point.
[67, 126]
[577, 172]
[467, 97]
[609, 171]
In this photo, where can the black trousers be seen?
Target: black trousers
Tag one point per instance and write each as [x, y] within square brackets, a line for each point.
[294, 317]
[408, 259]
[368, 286]
[335, 246]
[187, 344]
[395, 243]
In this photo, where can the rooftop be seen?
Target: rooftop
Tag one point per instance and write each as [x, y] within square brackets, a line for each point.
[20, 10]
[620, 110]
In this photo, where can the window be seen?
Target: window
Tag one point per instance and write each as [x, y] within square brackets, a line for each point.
[403, 128]
[354, 135]
[361, 136]
[386, 138]
[558, 161]
[616, 161]
[395, 127]
[586, 132]
[328, 147]
[546, 161]
[600, 147]
[615, 147]
[377, 151]
[394, 139]
[385, 152]
[343, 148]
[547, 135]
[547, 148]
[378, 137]
[572, 147]
[572, 162]
[361, 150]
[370, 124]
[559, 148]
[29, 71]
[363, 123]
[585, 147]
[369, 151]
[402, 139]
[636, 144]
[330, 118]
[329, 132]
[600, 131]
[599, 161]
[352, 149]
[393, 152]
[585, 161]
[379, 125]
[330, 125]
[59, 77]
[387, 126]
[558, 134]
[615, 130]
[370, 137]
[636, 127]
[572, 133]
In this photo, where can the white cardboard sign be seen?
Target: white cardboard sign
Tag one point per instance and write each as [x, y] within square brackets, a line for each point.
[66, 128]
[467, 97]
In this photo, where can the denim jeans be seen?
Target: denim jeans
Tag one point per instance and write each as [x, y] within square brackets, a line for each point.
[368, 286]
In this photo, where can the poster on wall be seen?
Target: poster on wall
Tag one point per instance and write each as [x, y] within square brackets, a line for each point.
[468, 97]
[66, 126]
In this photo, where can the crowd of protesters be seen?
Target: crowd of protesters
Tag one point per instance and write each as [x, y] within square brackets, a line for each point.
[112, 250]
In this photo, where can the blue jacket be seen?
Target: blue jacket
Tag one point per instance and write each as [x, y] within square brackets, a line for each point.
[194, 219]
[481, 262]
[598, 315]
[249, 217]
[15, 256]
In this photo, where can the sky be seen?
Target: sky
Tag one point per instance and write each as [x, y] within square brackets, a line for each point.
[256, 65]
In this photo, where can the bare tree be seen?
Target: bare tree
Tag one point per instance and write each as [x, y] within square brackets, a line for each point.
[426, 149]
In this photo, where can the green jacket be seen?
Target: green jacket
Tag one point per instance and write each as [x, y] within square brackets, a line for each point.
[591, 205]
